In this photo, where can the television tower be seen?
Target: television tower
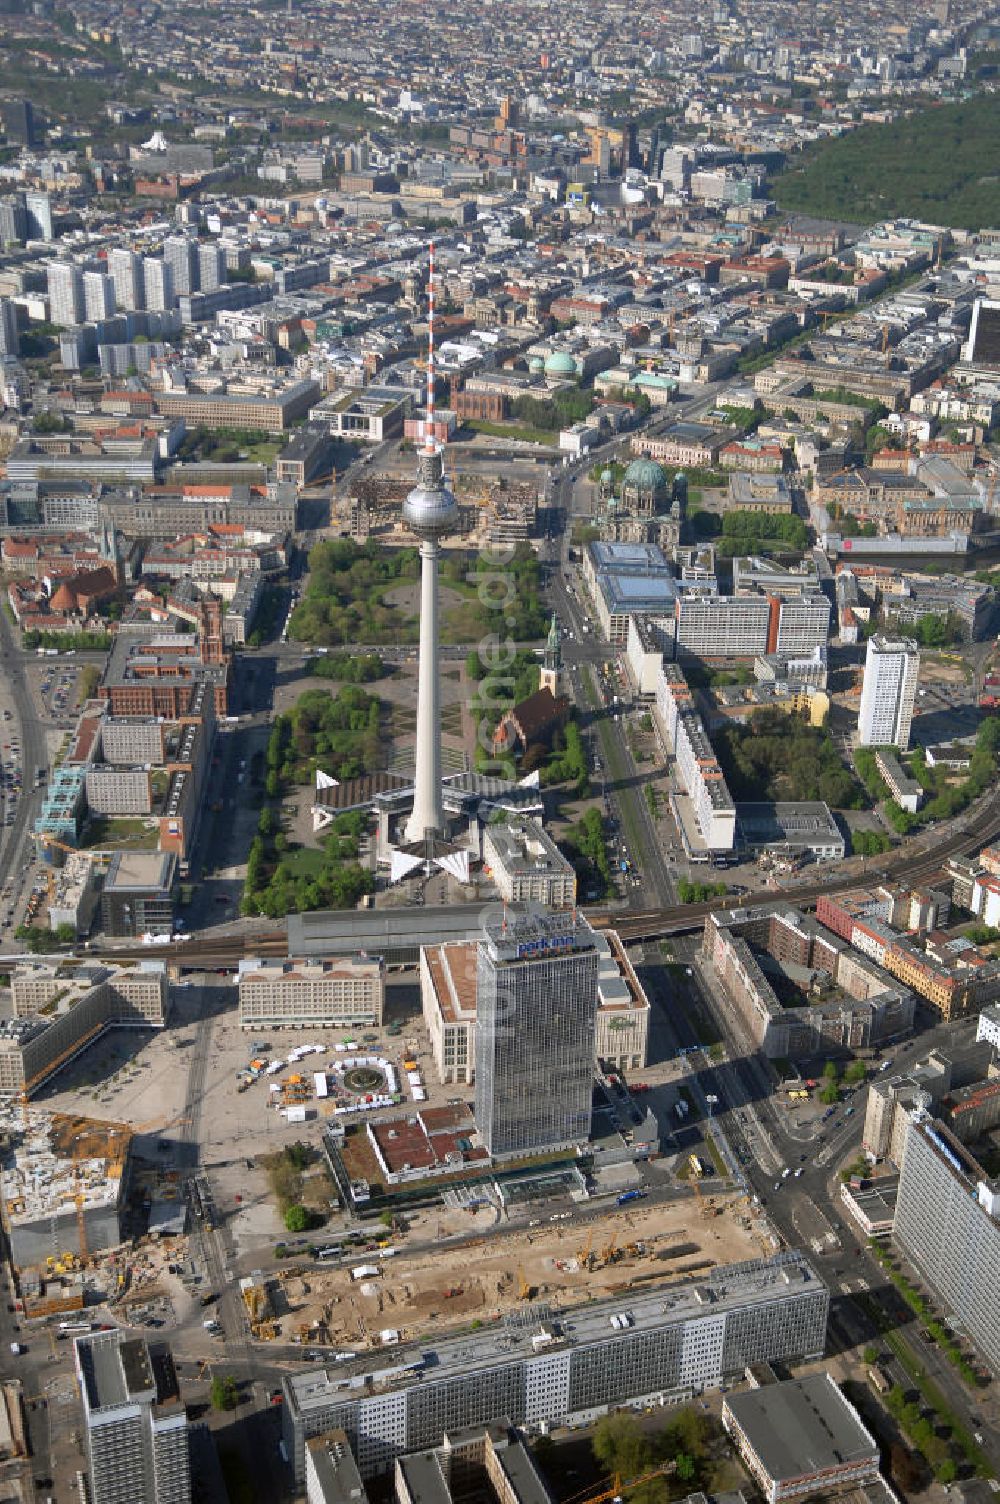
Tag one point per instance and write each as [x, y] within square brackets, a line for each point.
[431, 512]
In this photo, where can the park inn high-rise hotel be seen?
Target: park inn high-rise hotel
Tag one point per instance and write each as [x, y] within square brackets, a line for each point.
[536, 1012]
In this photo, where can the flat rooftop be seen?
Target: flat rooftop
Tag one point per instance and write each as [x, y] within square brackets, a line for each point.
[800, 824]
[802, 1426]
[115, 1368]
[629, 557]
[733, 1285]
[454, 977]
[140, 870]
[650, 591]
[335, 1467]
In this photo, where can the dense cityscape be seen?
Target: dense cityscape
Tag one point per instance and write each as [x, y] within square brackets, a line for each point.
[499, 753]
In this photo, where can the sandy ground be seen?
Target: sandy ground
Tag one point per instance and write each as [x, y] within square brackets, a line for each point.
[486, 1279]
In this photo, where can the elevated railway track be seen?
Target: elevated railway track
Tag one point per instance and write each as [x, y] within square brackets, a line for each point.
[225, 951]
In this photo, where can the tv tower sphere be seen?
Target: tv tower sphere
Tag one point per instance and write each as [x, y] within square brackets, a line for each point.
[430, 510]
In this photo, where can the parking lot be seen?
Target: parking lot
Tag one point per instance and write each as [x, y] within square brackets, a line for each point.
[57, 690]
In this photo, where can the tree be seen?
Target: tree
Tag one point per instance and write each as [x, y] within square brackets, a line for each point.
[947, 1472]
[687, 1432]
[830, 1095]
[684, 1467]
[870, 1355]
[297, 1219]
[855, 1073]
[298, 1154]
[225, 1394]
[869, 842]
[621, 1446]
[65, 933]
[386, 1218]
[831, 1070]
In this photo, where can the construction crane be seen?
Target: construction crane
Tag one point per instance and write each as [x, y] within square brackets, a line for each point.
[51, 843]
[524, 1290]
[583, 1257]
[609, 1250]
[81, 1220]
[619, 1486]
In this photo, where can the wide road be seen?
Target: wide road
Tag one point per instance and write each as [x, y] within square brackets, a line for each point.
[15, 858]
[794, 1173]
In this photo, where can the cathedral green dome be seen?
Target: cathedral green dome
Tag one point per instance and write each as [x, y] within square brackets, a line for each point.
[645, 475]
[536, 365]
[559, 363]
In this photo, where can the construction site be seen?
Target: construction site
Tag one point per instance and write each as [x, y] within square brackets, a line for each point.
[64, 1182]
[491, 510]
[556, 1263]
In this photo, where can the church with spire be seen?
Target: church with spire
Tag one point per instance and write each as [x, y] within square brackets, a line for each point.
[550, 675]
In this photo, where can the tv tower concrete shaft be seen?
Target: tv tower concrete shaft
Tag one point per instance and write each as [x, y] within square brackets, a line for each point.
[427, 816]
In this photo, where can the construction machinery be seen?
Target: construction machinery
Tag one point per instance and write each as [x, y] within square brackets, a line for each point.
[525, 1291]
[584, 1257]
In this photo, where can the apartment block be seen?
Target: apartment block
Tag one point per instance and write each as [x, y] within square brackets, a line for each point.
[303, 994]
[864, 1007]
[697, 768]
[721, 626]
[947, 1224]
[667, 1342]
[56, 1016]
[888, 692]
[125, 270]
[66, 300]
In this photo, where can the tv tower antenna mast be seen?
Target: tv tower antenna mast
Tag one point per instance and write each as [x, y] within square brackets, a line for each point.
[429, 443]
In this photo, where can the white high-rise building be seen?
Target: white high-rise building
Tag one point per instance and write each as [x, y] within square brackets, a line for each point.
[211, 267]
[159, 280]
[180, 253]
[892, 668]
[125, 268]
[98, 296]
[65, 287]
[136, 1425]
